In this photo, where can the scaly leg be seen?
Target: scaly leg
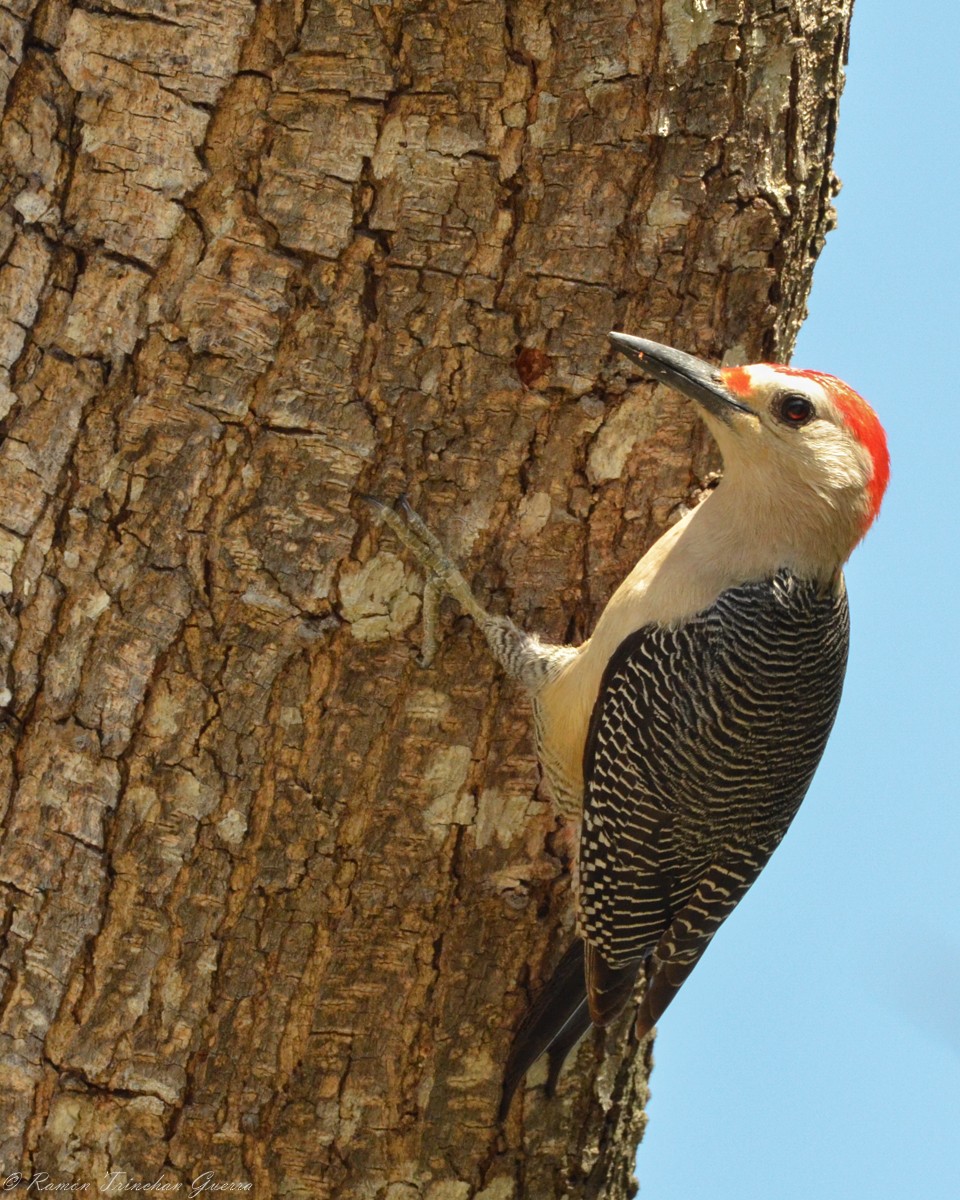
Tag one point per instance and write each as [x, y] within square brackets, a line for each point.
[520, 654]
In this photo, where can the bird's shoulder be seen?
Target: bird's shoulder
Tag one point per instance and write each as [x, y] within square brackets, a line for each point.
[781, 602]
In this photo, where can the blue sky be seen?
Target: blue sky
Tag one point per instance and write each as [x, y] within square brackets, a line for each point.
[815, 1051]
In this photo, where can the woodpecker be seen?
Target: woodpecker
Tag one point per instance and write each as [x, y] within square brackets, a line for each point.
[684, 733]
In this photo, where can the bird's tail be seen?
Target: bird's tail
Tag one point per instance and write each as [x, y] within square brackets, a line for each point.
[559, 1017]
[556, 1021]
[608, 988]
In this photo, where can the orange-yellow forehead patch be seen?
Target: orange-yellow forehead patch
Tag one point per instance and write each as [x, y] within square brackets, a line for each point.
[737, 380]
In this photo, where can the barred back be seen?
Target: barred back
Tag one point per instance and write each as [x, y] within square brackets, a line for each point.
[702, 744]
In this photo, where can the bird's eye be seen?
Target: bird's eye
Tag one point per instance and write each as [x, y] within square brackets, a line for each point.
[795, 410]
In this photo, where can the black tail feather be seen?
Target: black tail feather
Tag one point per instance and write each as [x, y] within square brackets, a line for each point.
[557, 1020]
[565, 1041]
[608, 988]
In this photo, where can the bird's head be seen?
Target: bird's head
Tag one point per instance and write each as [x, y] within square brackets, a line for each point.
[802, 444]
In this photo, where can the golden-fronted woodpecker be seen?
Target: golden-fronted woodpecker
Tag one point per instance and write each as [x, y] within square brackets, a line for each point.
[684, 733]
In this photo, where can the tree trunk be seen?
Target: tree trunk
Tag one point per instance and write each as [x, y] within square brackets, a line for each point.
[275, 896]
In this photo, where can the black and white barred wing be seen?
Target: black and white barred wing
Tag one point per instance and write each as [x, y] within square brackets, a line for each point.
[702, 744]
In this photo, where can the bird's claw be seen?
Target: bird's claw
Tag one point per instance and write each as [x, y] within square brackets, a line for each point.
[413, 533]
[442, 575]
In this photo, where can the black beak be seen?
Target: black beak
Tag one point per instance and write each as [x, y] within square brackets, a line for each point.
[691, 376]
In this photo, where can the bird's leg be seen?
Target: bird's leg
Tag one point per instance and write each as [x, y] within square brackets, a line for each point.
[426, 547]
[429, 619]
[520, 654]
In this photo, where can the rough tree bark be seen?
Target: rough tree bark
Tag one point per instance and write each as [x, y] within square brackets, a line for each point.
[275, 897]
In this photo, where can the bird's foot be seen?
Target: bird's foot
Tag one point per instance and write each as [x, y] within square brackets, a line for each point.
[443, 575]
